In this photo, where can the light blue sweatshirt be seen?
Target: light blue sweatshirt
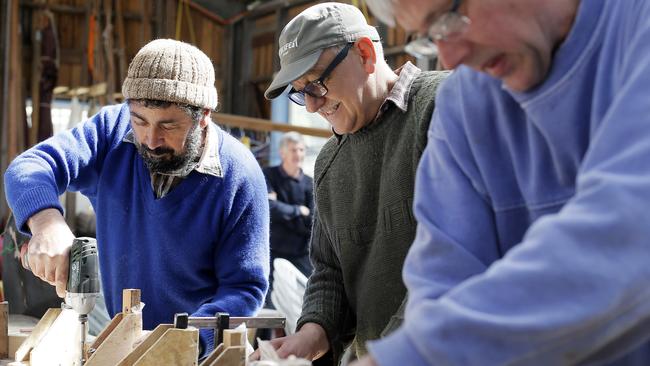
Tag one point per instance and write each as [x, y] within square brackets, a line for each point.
[533, 244]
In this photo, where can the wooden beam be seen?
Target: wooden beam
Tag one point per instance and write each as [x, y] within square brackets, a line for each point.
[258, 124]
[109, 51]
[175, 347]
[143, 347]
[15, 104]
[75, 10]
[119, 343]
[37, 71]
[121, 41]
[4, 329]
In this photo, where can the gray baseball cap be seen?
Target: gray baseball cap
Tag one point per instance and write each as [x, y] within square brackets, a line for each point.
[305, 37]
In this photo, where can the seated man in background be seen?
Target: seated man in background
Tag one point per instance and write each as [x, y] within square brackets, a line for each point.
[181, 206]
[533, 193]
[291, 202]
[364, 176]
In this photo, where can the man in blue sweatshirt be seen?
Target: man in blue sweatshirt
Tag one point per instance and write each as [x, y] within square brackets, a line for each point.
[181, 206]
[532, 196]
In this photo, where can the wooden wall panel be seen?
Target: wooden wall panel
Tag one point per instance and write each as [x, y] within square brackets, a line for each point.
[140, 26]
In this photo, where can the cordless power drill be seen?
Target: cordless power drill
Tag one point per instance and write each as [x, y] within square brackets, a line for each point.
[83, 282]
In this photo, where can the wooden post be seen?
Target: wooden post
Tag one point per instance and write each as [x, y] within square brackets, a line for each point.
[130, 299]
[121, 41]
[109, 50]
[37, 71]
[4, 329]
[16, 103]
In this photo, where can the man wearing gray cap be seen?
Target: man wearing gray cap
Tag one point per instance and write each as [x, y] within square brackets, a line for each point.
[181, 206]
[364, 175]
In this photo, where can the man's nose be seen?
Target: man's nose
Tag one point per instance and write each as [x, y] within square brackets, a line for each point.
[313, 104]
[154, 138]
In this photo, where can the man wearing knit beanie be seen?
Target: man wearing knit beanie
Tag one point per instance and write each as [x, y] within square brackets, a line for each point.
[332, 61]
[181, 206]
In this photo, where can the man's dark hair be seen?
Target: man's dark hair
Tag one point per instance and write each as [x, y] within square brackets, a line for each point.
[194, 112]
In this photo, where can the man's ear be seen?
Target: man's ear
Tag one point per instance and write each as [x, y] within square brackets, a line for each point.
[205, 119]
[366, 50]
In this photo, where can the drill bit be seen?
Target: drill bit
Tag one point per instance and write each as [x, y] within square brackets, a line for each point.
[83, 320]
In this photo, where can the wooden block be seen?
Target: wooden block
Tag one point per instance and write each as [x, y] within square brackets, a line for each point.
[234, 337]
[15, 341]
[61, 344]
[130, 299]
[20, 327]
[4, 329]
[175, 347]
[22, 354]
[119, 343]
[143, 347]
[231, 356]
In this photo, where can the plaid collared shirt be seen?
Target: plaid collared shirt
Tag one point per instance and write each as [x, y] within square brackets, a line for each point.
[399, 94]
[208, 163]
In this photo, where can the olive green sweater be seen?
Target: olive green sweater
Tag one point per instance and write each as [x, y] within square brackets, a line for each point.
[364, 226]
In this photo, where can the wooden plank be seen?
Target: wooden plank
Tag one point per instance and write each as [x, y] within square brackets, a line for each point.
[107, 331]
[143, 347]
[214, 355]
[231, 356]
[4, 329]
[259, 124]
[175, 347]
[22, 354]
[61, 344]
[130, 299]
[119, 343]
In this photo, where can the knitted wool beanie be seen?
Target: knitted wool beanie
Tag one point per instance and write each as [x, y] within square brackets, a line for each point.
[171, 71]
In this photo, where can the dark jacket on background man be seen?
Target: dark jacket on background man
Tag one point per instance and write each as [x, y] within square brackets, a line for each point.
[290, 231]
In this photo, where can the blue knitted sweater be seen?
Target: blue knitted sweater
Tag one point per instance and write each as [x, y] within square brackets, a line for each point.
[201, 249]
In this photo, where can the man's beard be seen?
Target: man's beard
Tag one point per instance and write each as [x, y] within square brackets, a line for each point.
[164, 160]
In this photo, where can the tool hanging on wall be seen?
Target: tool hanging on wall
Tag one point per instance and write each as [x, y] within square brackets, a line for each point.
[183, 4]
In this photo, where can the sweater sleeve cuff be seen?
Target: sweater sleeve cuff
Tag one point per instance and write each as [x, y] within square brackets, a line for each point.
[33, 201]
[395, 349]
[336, 349]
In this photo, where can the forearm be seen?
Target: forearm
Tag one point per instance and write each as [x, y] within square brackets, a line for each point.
[44, 219]
[325, 302]
[283, 211]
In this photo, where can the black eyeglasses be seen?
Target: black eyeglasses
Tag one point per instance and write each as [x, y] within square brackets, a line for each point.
[448, 27]
[316, 88]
